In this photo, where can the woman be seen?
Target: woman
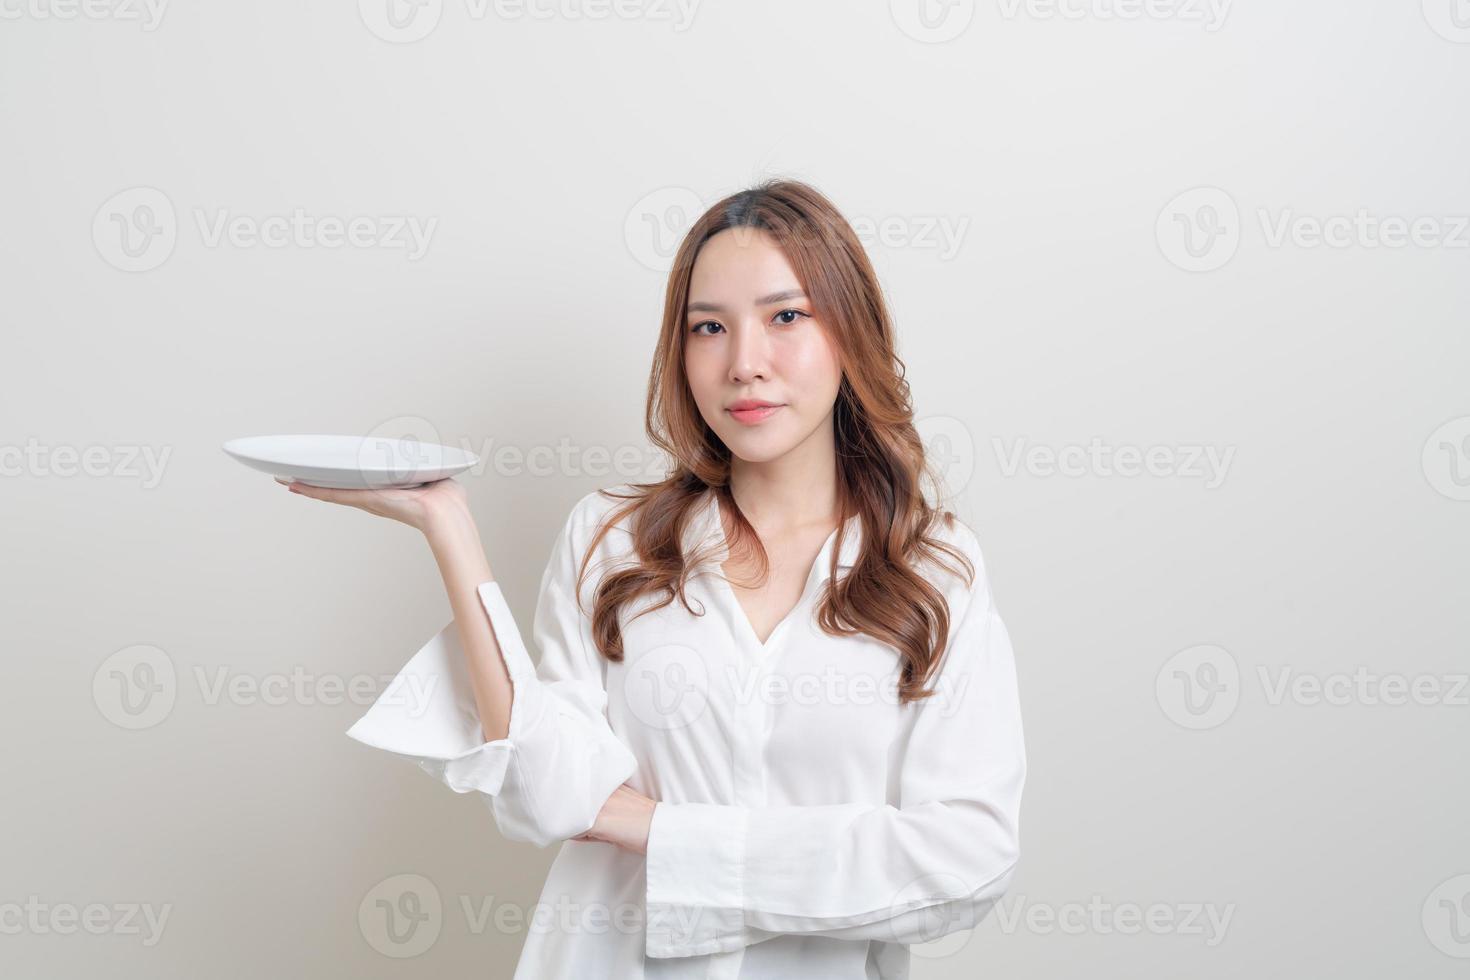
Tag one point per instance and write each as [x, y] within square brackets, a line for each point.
[775, 715]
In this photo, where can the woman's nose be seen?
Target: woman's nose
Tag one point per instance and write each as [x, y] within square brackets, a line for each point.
[749, 354]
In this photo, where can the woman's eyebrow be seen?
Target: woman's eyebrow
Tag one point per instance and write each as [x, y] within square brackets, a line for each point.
[781, 297]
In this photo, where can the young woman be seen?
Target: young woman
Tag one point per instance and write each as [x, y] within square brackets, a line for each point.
[775, 715]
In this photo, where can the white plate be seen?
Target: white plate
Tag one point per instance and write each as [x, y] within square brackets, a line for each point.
[350, 462]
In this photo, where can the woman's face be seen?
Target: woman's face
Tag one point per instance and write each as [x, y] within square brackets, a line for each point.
[751, 335]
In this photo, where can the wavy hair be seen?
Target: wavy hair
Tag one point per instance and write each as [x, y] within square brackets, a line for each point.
[880, 457]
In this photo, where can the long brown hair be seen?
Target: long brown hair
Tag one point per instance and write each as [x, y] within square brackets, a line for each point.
[880, 457]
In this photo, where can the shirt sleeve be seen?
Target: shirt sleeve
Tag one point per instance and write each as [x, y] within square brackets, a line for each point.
[548, 778]
[722, 877]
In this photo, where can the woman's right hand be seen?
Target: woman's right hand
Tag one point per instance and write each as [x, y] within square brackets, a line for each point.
[417, 507]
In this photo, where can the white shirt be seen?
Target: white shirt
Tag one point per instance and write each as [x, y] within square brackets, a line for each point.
[807, 824]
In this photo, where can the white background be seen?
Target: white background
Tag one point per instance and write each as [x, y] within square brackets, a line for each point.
[1079, 300]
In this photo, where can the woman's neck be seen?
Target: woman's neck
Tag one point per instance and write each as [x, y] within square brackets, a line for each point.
[795, 491]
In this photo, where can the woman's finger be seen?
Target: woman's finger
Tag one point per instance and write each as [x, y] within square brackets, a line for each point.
[319, 493]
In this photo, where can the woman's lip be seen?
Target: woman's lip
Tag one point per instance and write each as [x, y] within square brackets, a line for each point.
[754, 416]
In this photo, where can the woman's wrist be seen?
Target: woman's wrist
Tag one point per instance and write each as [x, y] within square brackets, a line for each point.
[455, 541]
[625, 820]
[445, 520]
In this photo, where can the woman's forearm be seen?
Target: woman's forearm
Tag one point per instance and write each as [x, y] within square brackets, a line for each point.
[457, 548]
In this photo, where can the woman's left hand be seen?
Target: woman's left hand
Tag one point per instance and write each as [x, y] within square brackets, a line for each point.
[418, 507]
[624, 820]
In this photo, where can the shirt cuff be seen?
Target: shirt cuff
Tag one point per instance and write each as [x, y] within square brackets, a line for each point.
[428, 711]
[695, 879]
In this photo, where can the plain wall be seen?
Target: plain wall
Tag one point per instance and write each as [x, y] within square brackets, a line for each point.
[1096, 235]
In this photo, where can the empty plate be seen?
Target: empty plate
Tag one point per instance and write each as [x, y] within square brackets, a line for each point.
[351, 462]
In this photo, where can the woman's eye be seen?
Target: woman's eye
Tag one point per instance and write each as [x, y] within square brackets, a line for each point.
[790, 315]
